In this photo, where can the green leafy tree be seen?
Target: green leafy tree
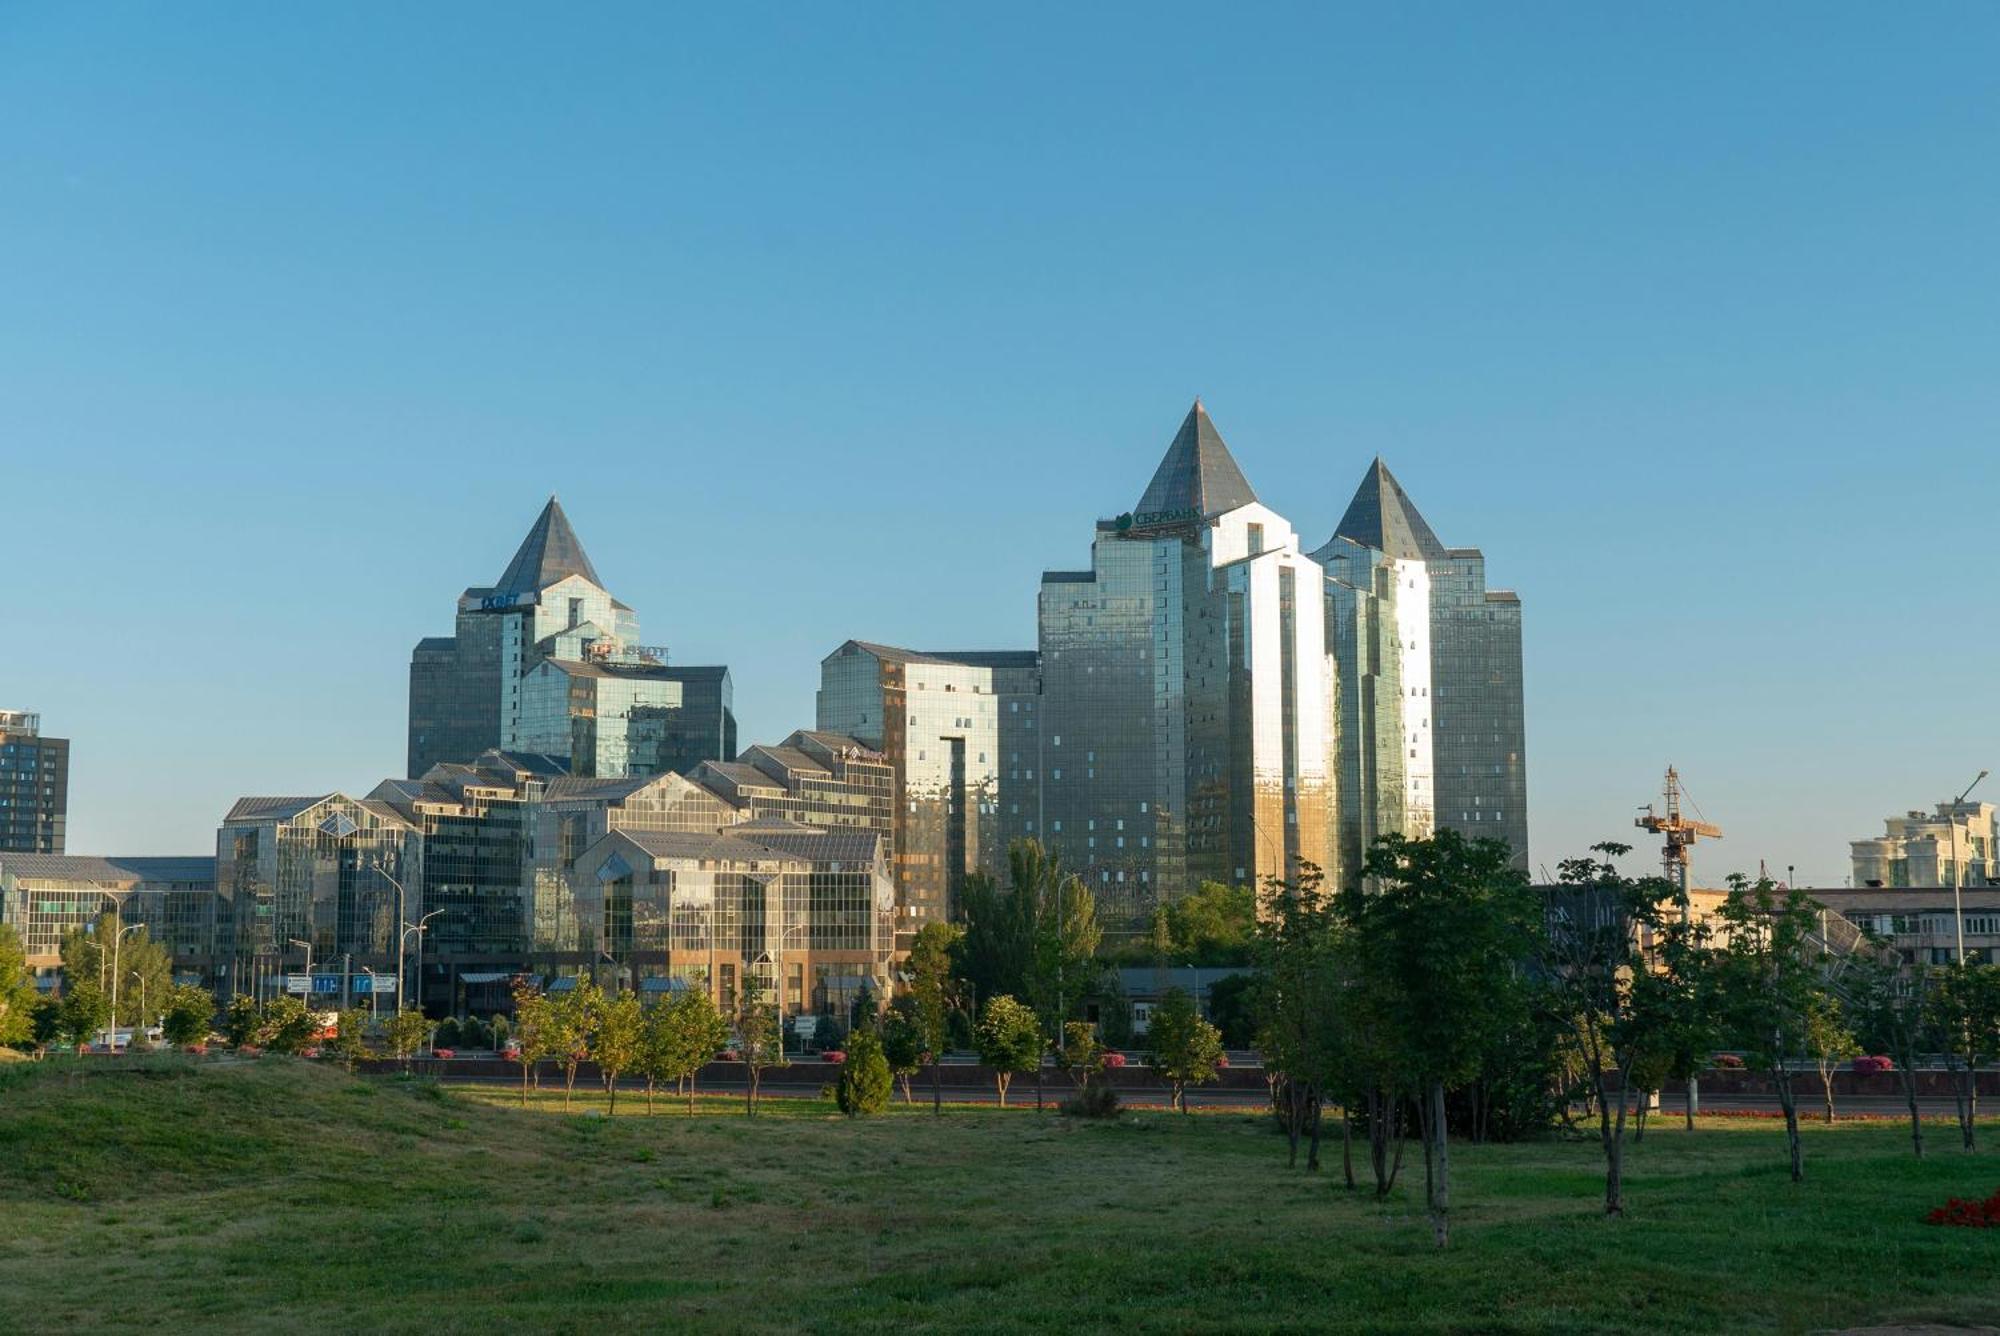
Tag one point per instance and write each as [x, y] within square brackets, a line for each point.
[1305, 1002]
[534, 1030]
[1232, 1006]
[863, 1087]
[683, 1034]
[1064, 967]
[1010, 1041]
[1437, 942]
[1770, 977]
[617, 1039]
[17, 991]
[82, 1012]
[143, 969]
[45, 1023]
[1829, 1040]
[903, 1043]
[933, 992]
[994, 952]
[1186, 1049]
[1213, 925]
[1890, 1003]
[570, 1016]
[758, 1040]
[406, 1032]
[241, 1020]
[1964, 1021]
[349, 1042]
[188, 1016]
[289, 1026]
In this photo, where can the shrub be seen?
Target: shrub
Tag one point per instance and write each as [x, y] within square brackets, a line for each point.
[1968, 1214]
[446, 1033]
[1871, 1065]
[1095, 1100]
[864, 1076]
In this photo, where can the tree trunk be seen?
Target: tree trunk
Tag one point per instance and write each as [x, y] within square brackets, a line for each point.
[1639, 1115]
[1347, 1146]
[1038, 1085]
[1439, 1147]
[1789, 1102]
[649, 1096]
[1687, 1102]
[1003, 1080]
[1908, 1076]
[1312, 1149]
[904, 1079]
[1611, 1134]
[1826, 1087]
[1378, 1142]
[937, 1089]
[524, 1084]
[569, 1084]
[750, 1093]
[689, 1086]
[1402, 1137]
[1965, 1093]
[1294, 1115]
[611, 1088]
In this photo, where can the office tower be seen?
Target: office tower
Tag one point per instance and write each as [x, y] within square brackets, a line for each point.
[34, 785]
[945, 721]
[1431, 720]
[1187, 693]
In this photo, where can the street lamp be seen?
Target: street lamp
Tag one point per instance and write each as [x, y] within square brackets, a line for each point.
[374, 996]
[1958, 866]
[401, 978]
[418, 928]
[117, 941]
[142, 1004]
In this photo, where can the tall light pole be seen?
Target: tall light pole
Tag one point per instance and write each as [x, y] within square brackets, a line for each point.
[1958, 867]
[142, 1004]
[401, 917]
[297, 941]
[117, 940]
[374, 996]
[418, 928]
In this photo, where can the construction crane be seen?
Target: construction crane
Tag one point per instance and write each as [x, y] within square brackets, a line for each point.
[1680, 833]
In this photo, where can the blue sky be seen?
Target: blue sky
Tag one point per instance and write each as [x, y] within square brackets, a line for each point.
[847, 321]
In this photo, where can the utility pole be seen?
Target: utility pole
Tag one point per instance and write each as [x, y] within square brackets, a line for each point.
[1958, 867]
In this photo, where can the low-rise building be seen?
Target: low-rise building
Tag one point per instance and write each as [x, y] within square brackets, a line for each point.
[45, 897]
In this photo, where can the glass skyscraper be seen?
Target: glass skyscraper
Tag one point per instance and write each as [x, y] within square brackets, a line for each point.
[1188, 706]
[547, 661]
[34, 785]
[1432, 721]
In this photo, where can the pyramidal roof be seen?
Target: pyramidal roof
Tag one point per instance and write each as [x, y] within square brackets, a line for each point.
[1198, 474]
[549, 553]
[1383, 517]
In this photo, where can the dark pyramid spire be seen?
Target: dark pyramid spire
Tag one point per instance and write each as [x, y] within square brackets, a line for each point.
[550, 552]
[1198, 474]
[1383, 517]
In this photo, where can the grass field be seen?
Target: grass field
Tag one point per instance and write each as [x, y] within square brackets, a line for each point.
[277, 1195]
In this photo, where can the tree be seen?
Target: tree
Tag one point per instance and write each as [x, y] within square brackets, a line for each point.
[17, 990]
[1828, 1040]
[1010, 1041]
[82, 1012]
[406, 1032]
[1215, 924]
[863, 1087]
[92, 954]
[1186, 1049]
[682, 1035]
[1232, 1005]
[932, 995]
[533, 1029]
[1964, 1020]
[1769, 980]
[568, 1023]
[188, 1015]
[903, 1043]
[1436, 946]
[617, 1038]
[45, 1023]
[1890, 1003]
[241, 1020]
[350, 1037]
[1595, 954]
[288, 1026]
[758, 1039]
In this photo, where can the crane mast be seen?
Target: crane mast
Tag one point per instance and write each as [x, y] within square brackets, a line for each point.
[1679, 832]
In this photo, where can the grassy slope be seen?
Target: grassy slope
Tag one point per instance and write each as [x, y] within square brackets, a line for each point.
[278, 1195]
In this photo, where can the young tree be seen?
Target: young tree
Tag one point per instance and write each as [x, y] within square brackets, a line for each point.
[288, 1026]
[17, 990]
[143, 970]
[534, 1030]
[188, 1015]
[1010, 1041]
[1215, 924]
[701, 1032]
[1595, 955]
[758, 1039]
[1769, 980]
[932, 995]
[1891, 1003]
[1062, 964]
[617, 1037]
[903, 1043]
[863, 1087]
[241, 1020]
[1303, 1006]
[1964, 1019]
[1186, 1048]
[406, 1032]
[350, 1038]
[1828, 1040]
[570, 1017]
[1437, 946]
[82, 1012]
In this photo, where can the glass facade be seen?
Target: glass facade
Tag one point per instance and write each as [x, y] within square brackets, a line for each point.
[937, 719]
[34, 786]
[44, 897]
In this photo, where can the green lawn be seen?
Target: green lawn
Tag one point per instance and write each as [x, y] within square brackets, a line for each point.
[277, 1195]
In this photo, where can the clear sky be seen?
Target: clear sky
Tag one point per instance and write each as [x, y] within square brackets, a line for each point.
[833, 321]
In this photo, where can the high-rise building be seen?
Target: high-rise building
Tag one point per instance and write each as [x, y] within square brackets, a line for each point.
[1432, 724]
[1951, 846]
[547, 661]
[1188, 706]
[34, 785]
[947, 722]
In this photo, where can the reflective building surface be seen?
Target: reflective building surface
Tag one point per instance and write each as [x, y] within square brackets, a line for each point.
[34, 785]
[1188, 699]
[1432, 720]
[44, 897]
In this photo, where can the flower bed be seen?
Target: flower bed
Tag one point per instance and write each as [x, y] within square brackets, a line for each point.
[1968, 1214]
[1728, 1062]
[1871, 1065]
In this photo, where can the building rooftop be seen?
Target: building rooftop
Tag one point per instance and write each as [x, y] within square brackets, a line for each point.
[1198, 476]
[1382, 516]
[551, 552]
[121, 870]
[272, 809]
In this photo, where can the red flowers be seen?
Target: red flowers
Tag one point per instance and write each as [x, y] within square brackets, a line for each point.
[1968, 1214]
[1222, 1060]
[833, 1055]
[1728, 1062]
[1114, 1060]
[1871, 1065]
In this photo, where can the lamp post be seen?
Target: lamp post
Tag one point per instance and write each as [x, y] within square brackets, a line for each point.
[295, 941]
[402, 979]
[374, 996]
[418, 928]
[1958, 867]
[142, 1005]
[117, 941]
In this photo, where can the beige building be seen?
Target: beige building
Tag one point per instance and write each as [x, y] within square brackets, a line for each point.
[1930, 848]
